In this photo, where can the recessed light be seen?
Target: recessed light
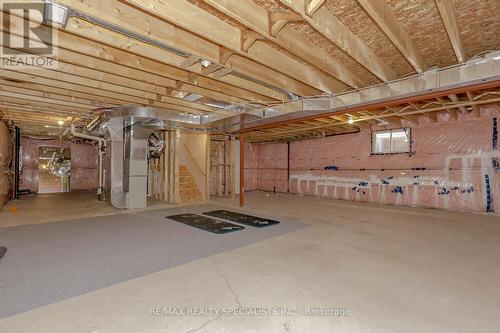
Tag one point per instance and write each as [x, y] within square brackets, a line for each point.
[205, 63]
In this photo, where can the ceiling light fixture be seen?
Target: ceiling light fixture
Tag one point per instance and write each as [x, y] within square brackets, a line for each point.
[350, 120]
[60, 122]
[193, 97]
[55, 13]
[205, 63]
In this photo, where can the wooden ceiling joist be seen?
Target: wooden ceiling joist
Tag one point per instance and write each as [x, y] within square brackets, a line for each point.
[194, 19]
[249, 14]
[81, 51]
[339, 34]
[383, 16]
[445, 8]
[145, 23]
[50, 81]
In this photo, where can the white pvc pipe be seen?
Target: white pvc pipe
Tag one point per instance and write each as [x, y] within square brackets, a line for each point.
[102, 144]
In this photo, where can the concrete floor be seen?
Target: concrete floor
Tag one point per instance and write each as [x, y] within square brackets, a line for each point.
[53, 207]
[393, 269]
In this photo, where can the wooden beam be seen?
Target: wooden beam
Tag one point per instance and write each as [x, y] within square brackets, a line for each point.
[151, 26]
[196, 20]
[383, 16]
[190, 61]
[210, 69]
[337, 32]
[453, 113]
[248, 38]
[222, 72]
[445, 8]
[84, 52]
[278, 20]
[88, 87]
[313, 5]
[477, 109]
[255, 18]
[224, 55]
[383, 103]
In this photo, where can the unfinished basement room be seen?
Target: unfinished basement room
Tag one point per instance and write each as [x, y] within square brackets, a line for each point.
[316, 166]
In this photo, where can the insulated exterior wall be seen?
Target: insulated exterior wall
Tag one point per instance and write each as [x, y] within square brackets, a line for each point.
[84, 163]
[451, 166]
[6, 175]
[252, 171]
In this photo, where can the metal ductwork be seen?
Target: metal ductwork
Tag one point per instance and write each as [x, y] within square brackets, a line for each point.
[129, 130]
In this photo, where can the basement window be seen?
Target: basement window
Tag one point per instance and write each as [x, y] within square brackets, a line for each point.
[391, 142]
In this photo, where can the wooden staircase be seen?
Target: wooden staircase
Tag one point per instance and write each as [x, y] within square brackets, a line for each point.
[188, 191]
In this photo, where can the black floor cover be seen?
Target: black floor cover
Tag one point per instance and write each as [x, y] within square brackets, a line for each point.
[2, 251]
[253, 221]
[206, 223]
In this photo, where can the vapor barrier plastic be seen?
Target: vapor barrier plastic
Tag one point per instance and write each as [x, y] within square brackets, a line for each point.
[84, 159]
[452, 165]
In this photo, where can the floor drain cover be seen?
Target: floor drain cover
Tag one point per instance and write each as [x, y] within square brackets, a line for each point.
[206, 223]
[2, 251]
[250, 220]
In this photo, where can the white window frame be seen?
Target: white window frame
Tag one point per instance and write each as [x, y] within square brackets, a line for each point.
[390, 132]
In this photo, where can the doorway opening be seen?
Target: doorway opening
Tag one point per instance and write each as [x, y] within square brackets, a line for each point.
[54, 165]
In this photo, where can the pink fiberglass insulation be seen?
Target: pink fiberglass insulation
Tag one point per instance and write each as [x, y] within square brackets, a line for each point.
[451, 166]
[6, 175]
[84, 161]
[251, 163]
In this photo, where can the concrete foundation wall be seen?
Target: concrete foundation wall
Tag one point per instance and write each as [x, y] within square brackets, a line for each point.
[451, 166]
[84, 164]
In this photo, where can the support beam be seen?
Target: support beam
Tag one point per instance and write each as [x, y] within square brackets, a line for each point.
[383, 16]
[337, 32]
[394, 117]
[242, 170]
[445, 8]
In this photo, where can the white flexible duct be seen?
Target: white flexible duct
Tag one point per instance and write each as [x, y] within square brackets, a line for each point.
[102, 148]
